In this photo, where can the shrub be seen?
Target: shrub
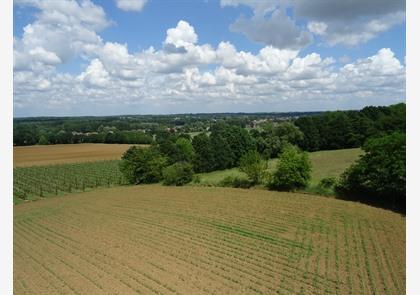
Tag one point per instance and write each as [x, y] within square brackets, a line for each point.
[196, 179]
[328, 182]
[254, 166]
[236, 182]
[178, 174]
[380, 173]
[293, 170]
[142, 165]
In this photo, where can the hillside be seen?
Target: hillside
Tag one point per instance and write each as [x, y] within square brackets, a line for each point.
[324, 164]
[195, 240]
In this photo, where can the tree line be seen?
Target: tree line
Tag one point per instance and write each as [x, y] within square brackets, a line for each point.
[25, 134]
[378, 175]
[349, 129]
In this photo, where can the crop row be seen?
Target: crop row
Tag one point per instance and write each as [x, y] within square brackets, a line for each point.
[168, 241]
[43, 181]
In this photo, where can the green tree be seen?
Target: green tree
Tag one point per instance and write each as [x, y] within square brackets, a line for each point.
[222, 154]
[288, 132]
[43, 140]
[177, 150]
[142, 165]
[311, 138]
[293, 170]
[203, 160]
[185, 150]
[380, 172]
[254, 166]
[229, 143]
[25, 134]
[178, 174]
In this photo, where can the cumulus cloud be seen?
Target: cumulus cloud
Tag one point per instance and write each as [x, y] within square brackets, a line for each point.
[349, 22]
[259, 7]
[358, 31]
[130, 5]
[318, 28]
[345, 10]
[269, 25]
[277, 30]
[184, 70]
[180, 37]
[62, 30]
[95, 74]
[337, 22]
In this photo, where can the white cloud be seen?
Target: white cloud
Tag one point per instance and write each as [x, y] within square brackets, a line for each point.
[95, 74]
[383, 63]
[43, 84]
[46, 57]
[318, 28]
[277, 30]
[131, 5]
[61, 31]
[190, 74]
[269, 25]
[182, 36]
[259, 7]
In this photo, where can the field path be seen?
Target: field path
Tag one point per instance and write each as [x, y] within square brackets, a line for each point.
[205, 240]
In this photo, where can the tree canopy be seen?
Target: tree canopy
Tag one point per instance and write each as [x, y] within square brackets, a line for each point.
[380, 173]
[293, 170]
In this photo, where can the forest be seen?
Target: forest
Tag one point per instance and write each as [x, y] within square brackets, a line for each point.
[315, 130]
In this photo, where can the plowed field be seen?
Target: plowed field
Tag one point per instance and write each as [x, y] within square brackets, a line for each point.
[66, 153]
[205, 240]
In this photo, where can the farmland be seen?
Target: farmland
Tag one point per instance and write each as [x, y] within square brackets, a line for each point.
[205, 240]
[34, 182]
[51, 180]
[66, 153]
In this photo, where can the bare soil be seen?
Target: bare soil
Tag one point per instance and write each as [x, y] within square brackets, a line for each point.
[66, 153]
[205, 240]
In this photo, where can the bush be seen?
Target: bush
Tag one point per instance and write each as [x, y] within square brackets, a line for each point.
[236, 182]
[379, 175]
[196, 179]
[254, 166]
[293, 170]
[328, 183]
[142, 165]
[178, 174]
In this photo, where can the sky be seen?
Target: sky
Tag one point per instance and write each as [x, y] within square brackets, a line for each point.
[91, 57]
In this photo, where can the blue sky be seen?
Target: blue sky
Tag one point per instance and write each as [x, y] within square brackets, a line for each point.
[94, 57]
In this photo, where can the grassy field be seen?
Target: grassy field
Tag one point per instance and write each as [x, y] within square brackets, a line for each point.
[66, 153]
[324, 164]
[205, 240]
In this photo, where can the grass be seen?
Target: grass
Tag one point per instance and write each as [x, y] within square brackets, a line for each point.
[324, 164]
[332, 163]
[153, 239]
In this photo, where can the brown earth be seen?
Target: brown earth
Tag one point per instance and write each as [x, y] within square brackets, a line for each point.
[66, 153]
[205, 240]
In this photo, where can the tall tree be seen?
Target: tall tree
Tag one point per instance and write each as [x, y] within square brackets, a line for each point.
[203, 158]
